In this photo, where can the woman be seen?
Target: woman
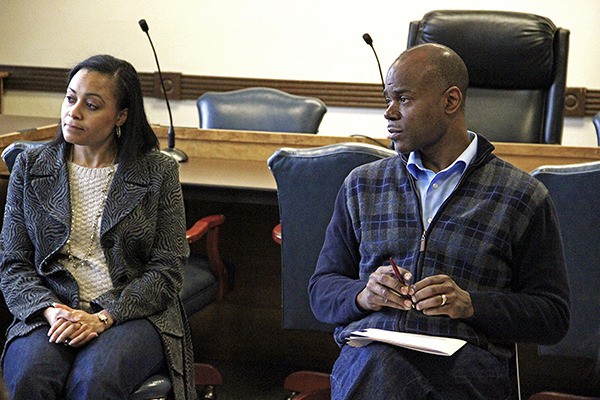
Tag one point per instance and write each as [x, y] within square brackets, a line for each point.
[93, 248]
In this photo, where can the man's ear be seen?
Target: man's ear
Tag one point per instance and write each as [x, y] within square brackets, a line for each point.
[454, 99]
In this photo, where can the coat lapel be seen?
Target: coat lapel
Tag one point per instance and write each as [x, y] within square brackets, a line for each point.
[128, 189]
[50, 183]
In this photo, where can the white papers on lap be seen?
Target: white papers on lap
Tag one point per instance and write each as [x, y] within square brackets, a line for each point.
[439, 345]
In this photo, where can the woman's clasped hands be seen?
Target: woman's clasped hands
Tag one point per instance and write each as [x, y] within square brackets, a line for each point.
[72, 327]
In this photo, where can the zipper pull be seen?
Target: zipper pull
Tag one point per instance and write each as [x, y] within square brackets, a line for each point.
[422, 244]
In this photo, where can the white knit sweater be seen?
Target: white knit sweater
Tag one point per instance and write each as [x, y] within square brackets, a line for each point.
[86, 185]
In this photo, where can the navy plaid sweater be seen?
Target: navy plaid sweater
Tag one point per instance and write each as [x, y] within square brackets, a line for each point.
[497, 236]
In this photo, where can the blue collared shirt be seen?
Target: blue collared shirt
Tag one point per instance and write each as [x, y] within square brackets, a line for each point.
[434, 188]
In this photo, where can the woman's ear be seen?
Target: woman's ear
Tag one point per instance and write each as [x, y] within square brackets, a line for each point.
[122, 117]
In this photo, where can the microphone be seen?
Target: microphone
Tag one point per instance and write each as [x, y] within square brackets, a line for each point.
[368, 40]
[171, 151]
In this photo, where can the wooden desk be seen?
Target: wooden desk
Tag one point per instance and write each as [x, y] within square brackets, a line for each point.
[15, 124]
[208, 146]
[17, 127]
[530, 156]
[234, 181]
[259, 146]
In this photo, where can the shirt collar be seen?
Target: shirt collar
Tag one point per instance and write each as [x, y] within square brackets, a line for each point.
[415, 164]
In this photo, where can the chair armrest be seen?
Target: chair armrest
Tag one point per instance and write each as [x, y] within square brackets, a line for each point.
[209, 227]
[203, 226]
[206, 374]
[276, 234]
[323, 394]
[307, 381]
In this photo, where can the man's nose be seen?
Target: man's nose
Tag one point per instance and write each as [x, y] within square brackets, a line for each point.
[392, 112]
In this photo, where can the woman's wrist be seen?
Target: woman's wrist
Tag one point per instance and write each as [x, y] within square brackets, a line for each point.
[49, 314]
[105, 318]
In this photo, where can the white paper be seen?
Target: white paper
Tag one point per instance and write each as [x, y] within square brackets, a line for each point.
[439, 345]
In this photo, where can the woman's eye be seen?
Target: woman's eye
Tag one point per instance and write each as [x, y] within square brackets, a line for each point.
[70, 99]
[91, 106]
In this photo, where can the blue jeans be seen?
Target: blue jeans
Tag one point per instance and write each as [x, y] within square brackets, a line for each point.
[381, 371]
[111, 366]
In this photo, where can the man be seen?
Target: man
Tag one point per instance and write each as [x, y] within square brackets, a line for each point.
[476, 241]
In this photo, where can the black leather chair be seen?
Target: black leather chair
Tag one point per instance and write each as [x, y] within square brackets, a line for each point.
[575, 360]
[596, 120]
[308, 181]
[260, 109]
[206, 279]
[517, 66]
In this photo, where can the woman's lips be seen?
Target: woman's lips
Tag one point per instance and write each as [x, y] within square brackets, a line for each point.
[72, 128]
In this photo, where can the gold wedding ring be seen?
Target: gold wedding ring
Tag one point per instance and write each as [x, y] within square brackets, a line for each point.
[444, 299]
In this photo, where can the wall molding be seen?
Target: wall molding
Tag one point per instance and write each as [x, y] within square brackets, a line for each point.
[579, 102]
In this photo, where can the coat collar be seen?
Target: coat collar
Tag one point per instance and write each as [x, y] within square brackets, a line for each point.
[484, 149]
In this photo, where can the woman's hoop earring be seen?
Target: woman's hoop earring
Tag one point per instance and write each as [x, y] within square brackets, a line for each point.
[118, 130]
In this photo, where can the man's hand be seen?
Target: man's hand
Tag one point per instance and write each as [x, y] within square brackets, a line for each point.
[384, 290]
[440, 295]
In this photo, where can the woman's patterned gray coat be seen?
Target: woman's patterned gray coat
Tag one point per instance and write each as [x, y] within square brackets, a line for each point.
[143, 236]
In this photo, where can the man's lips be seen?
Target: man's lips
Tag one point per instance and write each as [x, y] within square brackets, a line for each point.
[394, 134]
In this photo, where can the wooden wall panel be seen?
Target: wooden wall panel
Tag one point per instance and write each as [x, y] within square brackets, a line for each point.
[579, 102]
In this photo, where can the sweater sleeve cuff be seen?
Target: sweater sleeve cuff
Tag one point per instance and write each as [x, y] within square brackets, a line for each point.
[355, 311]
[481, 307]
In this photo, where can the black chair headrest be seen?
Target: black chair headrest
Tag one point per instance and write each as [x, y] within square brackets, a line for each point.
[501, 49]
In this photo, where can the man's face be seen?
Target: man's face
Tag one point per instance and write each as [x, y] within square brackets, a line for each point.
[415, 105]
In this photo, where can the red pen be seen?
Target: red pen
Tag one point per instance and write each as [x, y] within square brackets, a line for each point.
[395, 268]
[397, 273]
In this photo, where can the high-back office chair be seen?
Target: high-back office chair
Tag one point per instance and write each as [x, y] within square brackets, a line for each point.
[308, 181]
[596, 120]
[574, 190]
[260, 109]
[205, 280]
[517, 66]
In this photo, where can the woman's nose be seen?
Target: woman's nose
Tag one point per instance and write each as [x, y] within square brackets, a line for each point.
[74, 110]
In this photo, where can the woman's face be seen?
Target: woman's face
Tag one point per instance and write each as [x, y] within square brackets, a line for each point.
[89, 111]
